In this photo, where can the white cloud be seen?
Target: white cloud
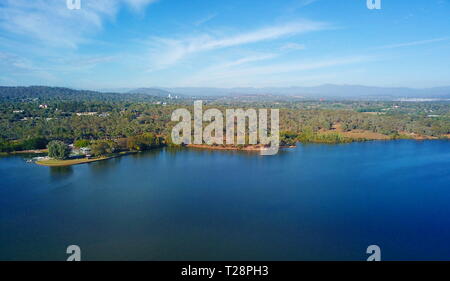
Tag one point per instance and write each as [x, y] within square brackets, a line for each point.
[299, 4]
[167, 51]
[246, 60]
[14, 62]
[292, 46]
[19, 66]
[303, 3]
[52, 23]
[205, 19]
[414, 43]
[222, 75]
[50, 67]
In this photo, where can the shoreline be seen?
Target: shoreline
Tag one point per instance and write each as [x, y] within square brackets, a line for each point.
[73, 162]
[33, 151]
[220, 147]
[255, 148]
[258, 148]
[249, 148]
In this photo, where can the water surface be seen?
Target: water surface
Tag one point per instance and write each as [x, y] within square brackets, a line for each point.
[314, 202]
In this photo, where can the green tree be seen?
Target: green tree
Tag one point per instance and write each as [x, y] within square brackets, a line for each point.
[288, 138]
[103, 147]
[144, 142]
[58, 150]
[34, 143]
[82, 143]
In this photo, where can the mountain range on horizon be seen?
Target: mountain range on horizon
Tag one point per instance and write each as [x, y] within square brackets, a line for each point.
[325, 90]
[316, 92]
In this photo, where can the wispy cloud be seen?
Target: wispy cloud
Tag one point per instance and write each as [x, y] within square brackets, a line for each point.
[41, 38]
[303, 3]
[298, 4]
[221, 75]
[51, 23]
[167, 51]
[20, 66]
[246, 60]
[49, 66]
[205, 19]
[414, 43]
[14, 62]
[292, 46]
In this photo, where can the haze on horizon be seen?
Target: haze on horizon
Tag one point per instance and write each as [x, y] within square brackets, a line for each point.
[224, 44]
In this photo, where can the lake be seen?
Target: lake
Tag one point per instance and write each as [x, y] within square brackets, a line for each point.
[313, 202]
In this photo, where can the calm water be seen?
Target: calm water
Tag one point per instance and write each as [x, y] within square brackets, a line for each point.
[314, 202]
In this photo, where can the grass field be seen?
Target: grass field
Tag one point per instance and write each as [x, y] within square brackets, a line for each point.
[69, 162]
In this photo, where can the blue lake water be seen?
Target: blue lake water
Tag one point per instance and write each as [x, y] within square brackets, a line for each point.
[314, 202]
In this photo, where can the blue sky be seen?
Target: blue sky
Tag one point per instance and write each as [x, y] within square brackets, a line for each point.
[232, 43]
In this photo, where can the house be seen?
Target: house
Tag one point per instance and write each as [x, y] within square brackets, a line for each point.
[43, 106]
[86, 113]
[86, 151]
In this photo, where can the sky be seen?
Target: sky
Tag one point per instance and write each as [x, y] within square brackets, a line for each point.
[111, 44]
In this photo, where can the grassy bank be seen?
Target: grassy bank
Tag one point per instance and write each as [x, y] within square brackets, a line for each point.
[68, 162]
[78, 161]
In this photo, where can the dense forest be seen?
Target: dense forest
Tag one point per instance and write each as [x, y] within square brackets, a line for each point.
[30, 117]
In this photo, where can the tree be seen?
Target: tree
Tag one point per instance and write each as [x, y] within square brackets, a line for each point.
[34, 143]
[81, 143]
[58, 150]
[103, 147]
[288, 138]
[144, 142]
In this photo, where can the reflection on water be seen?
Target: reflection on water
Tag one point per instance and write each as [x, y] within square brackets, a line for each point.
[59, 173]
[173, 150]
[104, 166]
[149, 153]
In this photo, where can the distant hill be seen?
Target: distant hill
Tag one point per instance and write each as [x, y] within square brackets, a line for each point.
[151, 94]
[326, 90]
[155, 92]
[55, 93]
